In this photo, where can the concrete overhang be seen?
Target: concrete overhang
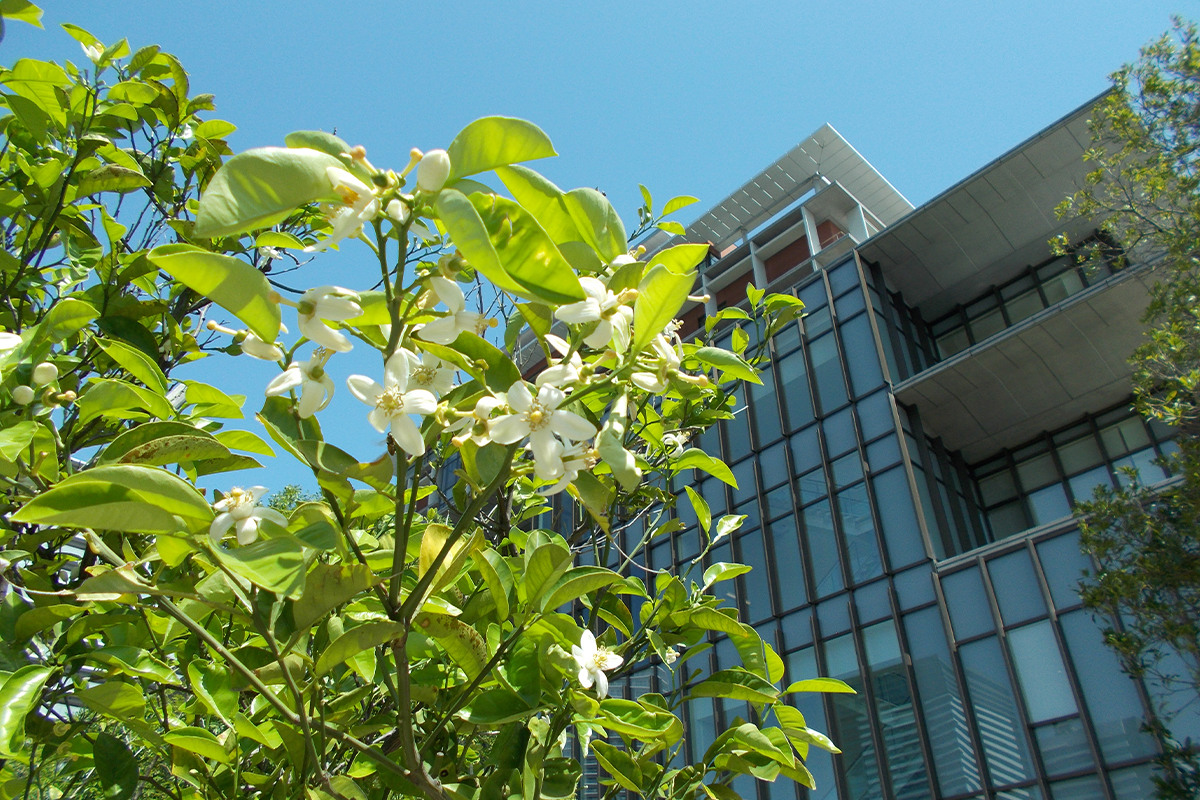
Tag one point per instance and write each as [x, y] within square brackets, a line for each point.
[1038, 375]
[990, 226]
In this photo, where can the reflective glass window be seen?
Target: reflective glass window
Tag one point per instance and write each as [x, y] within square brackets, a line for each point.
[914, 587]
[1016, 587]
[822, 547]
[802, 665]
[1038, 471]
[1063, 564]
[894, 710]
[843, 277]
[847, 469]
[1085, 788]
[787, 339]
[953, 342]
[1143, 464]
[1083, 485]
[1040, 672]
[687, 545]
[861, 356]
[793, 375]
[1023, 306]
[827, 369]
[766, 410]
[1133, 783]
[997, 488]
[996, 718]
[834, 615]
[1064, 747]
[723, 590]
[1024, 793]
[713, 492]
[737, 430]
[862, 549]
[849, 304]
[778, 502]
[898, 516]
[806, 450]
[871, 602]
[839, 432]
[789, 568]
[812, 486]
[756, 586]
[987, 324]
[883, 453]
[797, 628]
[1124, 437]
[875, 415]
[853, 719]
[967, 602]
[941, 700]
[743, 473]
[1049, 504]
[1007, 520]
[1079, 455]
[817, 321]
[1061, 286]
[1111, 697]
[772, 466]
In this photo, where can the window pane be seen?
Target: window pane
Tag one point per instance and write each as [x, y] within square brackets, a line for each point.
[941, 701]
[883, 453]
[827, 369]
[1111, 697]
[1125, 436]
[773, 466]
[766, 409]
[875, 415]
[998, 487]
[987, 324]
[702, 729]
[1083, 485]
[812, 486]
[953, 342]
[793, 374]
[1142, 462]
[1049, 504]
[1064, 747]
[806, 450]
[1017, 590]
[756, 586]
[861, 545]
[1007, 520]
[898, 516]
[822, 547]
[839, 432]
[847, 469]
[914, 587]
[996, 717]
[1133, 783]
[778, 502]
[1063, 564]
[853, 722]
[1023, 306]
[802, 665]
[743, 474]
[894, 710]
[1040, 672]
[797, 628]
[834, 616]
[1079, 455]
[1085, 788]
[1062, 286]
[789, 569]
[1037, 472]
[871, 602]
[861, 356]
[967, 602]
[737, 430]
[843, 277]
[849, 304]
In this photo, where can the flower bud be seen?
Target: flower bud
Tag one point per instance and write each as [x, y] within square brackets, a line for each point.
[22, 395]
[433, 171]
[44, 373]
[397, 211]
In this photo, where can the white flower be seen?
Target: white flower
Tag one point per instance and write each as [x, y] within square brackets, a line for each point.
[603, 307]
[427, 371]
[316, 387]
[674, 443]
[360, 205]
[44, 373]
[479, 420]
[257, 348]
[23, 395]
[186, 132]
[327, 302]
[93, 52]
[444, 330]
[433, 171]
[665, 364]
[593, 662]
[397, 211]
[670, 656]
[394, 402]
[270, 253]
[565, 371]
[543, 422]
[576, 457]
[9, 340]
[240, 510]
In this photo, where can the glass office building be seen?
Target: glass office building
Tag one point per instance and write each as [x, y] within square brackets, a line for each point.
[908, 468]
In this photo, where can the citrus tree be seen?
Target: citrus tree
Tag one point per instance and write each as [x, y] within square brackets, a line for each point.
[417, 629]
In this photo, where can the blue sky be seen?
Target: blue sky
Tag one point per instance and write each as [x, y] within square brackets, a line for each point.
[685, 97]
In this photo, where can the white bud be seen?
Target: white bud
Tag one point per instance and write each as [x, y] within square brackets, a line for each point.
[44, 373]
[22, 395]
[433, 171]
[397, 211]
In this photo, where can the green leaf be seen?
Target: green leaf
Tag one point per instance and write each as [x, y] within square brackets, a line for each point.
[560, 778]
[110, 178]
[676, 203]
[136, 363]
[214, 129]
[543, 567]
[730, 364]
[462, 643]
[116, 699]
[199, 741]
[134, 661]
[480, 359]
[497, 576]
[276, 565]
[736, 684]
[526, 251]
[543, 199]
[19, 695]
[826, 685]
[493, 142]
[700, 506]
[672, 227]
[722, 571]
[682, 258]
[261, 187]
[21, 10]
[278, 239]
[635, 719]
[209, 401]
[109, 397]
[229, 282]
[116, 767]
[15, 440]
[812, 737]
[128, 498]
[595, 495]
[661, 293]
[494, 707]
[245, 441]
[695, 458]
[619, 764]
[38, 619]
[355, 640]
[471, 237]
[577, 582]
[597, 222]
[162, 443]
[713, 620]
[327, 587]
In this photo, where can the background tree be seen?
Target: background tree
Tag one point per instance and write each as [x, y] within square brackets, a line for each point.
[1146, 188]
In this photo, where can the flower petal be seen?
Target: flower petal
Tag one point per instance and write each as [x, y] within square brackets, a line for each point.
[379, 419]
[570, 425]
[312, 399]
[419, 401]
[395, 371]
[220, 526]
[509, 429]
[443, 330]
[247, 530]
[519, 397]
[601, 684]
[580, 312]
[364, 389]
[547, 454]
[601, 336]
[407, 435]
[449, 293]
[285, 381]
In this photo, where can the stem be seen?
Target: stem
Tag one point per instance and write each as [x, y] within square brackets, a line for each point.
[412, 759]
[402, 535]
